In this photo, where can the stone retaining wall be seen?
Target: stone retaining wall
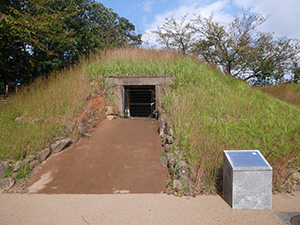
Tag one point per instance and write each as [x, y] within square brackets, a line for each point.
[173, 158]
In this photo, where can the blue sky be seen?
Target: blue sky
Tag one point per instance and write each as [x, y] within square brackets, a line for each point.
[147, 15]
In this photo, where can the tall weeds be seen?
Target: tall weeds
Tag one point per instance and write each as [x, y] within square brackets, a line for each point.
[42, 109]
[286, 92]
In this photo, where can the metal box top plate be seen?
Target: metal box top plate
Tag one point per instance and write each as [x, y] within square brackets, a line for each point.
[247, 158]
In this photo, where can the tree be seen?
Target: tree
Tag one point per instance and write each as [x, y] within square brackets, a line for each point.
[27, 30]
[295, 71]
[38, 36]
[229, 47]
[175, 35]
[271, 60]
[239, 49]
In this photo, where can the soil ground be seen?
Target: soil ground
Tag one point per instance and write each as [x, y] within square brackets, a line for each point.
[122, 156]
[36, 209]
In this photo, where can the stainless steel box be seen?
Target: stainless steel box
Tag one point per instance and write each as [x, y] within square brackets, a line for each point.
[247, 180]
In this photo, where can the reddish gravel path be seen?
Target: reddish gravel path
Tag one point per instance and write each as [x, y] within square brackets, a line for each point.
[122, 156]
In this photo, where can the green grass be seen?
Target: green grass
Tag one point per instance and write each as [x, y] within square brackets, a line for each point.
[23, 172]
[210, 112]
[215, 113]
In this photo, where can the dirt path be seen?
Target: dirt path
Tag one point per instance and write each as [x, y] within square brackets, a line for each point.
[122, 156]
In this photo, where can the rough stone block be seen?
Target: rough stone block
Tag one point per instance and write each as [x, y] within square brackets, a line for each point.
[247, 180]
[18, 166]
[6, 184]
[112, 110]
[3, 166]
[44, 154]
[61, 145]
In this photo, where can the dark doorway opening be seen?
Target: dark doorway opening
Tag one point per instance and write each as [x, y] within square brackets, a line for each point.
[140, 101]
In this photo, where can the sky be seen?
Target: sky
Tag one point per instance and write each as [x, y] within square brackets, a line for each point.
[146, 15]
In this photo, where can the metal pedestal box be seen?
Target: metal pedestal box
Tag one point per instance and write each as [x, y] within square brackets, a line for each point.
[247, 180]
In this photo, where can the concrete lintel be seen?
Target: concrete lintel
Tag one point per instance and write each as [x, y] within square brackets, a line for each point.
[131, 81]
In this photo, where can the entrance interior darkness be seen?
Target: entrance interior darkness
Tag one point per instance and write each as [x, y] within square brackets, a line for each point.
[140, 101]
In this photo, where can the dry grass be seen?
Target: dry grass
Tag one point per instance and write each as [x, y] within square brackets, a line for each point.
[43, 108]
[286, 92]
[141, 55]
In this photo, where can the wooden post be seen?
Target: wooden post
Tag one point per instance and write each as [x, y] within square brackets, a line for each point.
[16, 89]
[6, 90]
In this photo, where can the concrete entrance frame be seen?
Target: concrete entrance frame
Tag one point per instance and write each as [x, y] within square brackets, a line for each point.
[116, 87]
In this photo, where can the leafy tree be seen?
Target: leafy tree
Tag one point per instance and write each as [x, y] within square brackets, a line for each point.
[28, 29]
[239, 49]
[296, 71]
[176, 35]
[37, 36]
[229, 47]
[271, 60]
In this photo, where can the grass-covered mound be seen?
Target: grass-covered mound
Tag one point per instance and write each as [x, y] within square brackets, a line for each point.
[210, 112]
[286, 92]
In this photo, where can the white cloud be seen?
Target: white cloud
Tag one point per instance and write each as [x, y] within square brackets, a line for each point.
[284, 15]
[147, 6]
[220, 9]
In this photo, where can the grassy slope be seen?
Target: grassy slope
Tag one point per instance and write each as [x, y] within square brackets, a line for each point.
[45, 107]
[286, 92]
[210, 112]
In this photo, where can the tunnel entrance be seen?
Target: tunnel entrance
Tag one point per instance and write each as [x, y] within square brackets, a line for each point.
[140, 101]
[138, 96]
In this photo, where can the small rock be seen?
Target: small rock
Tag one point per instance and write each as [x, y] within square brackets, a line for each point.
[163, 142]
[177, 153]
[177, 185]
[18, 166]
[69, 127]
[161, 130]
[3, 167]
[44, 154]
[171, 159]
[169, 140]
[167, 127]
[6, 184]
[33, 164]
[296, 176]
[162, 125]
[182, 164]
[167, 147]
[111, 110]
[82, 126]
[111, 117]
[171, 132]
[61, 145]
[29, 159]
